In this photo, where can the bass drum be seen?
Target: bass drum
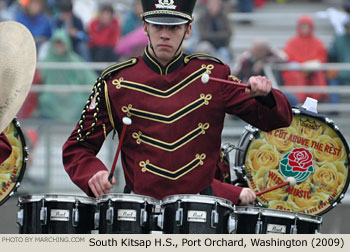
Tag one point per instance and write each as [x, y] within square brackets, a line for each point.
[12, 169]
[311, 149]
[56, 214]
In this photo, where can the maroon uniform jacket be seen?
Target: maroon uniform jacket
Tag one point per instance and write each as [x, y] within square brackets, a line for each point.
[173, 144]
[5, 148]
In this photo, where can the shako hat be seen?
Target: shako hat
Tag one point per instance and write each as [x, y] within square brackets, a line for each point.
[167, 12]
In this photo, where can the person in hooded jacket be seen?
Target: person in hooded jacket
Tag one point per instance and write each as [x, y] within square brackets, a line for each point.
[305, 48]
[62, 106]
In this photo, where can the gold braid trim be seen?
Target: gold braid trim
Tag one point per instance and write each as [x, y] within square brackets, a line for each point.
[166, 12]
[205, 56]
[95, 94]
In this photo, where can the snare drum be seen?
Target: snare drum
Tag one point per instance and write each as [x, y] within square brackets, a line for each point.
[56, 214]
[195, 214]
[256, 220]
[311, 149]
[12, 169]
[125, 213]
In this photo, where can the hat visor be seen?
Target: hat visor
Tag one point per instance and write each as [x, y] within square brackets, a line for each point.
[166, 20]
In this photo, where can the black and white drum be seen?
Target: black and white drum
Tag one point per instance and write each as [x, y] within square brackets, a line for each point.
[256, 220]
[13, 168]
[312, 150]
[125, 213]
[56, 214]
[195, 214]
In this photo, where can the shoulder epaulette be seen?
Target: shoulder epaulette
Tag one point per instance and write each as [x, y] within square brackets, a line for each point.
[110, 71]
[190, 57]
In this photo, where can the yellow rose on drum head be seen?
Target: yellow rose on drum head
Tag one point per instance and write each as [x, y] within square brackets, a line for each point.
[281, 144]
[261, 155]
[327, 178]
[332, 149]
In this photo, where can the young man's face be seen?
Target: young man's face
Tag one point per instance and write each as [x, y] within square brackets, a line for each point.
[165, 39]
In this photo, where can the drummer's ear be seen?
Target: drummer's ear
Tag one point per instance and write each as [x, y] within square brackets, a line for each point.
[188, 31]
[145, 28]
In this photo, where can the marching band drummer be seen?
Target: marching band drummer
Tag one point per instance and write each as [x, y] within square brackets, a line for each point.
[173, 144]
[5, 148]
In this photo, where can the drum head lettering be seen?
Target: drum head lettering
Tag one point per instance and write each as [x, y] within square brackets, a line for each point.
[12, 169]
[313, 152]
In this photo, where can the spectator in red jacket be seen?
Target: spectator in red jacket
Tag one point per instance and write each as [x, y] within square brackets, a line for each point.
[306, 49]
[104, 33]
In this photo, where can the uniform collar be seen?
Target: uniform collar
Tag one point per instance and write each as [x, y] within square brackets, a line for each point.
[158, 68]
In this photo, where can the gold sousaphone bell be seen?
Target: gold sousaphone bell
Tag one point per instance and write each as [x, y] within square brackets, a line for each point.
[17, 68]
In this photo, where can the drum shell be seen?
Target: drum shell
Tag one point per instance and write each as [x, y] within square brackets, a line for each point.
[126, 203]
[33, 225]
[170, 225]
[276, 221]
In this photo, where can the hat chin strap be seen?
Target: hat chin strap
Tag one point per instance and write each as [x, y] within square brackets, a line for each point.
[182, 40]
[151, 45]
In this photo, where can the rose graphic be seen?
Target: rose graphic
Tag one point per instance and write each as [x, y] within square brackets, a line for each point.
[300, 159]
[297, 164]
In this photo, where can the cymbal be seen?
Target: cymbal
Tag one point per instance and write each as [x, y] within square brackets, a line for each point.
[17, 68]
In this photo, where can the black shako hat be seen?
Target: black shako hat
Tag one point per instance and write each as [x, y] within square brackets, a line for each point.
[167, 12]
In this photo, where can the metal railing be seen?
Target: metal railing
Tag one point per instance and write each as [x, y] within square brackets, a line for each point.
[341, 89]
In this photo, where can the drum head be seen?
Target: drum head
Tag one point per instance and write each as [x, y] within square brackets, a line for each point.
[12, 169]
[313, 151]
[125, 197]
[195, 198]
[66, 198]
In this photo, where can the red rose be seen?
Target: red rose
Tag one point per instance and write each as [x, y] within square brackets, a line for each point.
[300, 159]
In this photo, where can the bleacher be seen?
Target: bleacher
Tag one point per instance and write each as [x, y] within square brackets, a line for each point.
[277, 22]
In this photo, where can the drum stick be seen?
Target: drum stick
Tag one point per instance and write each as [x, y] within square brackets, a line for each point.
[205, 79]
[126, 122]
[290, 181]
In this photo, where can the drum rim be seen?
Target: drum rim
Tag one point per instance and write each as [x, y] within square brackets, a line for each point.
[264, 212]
[324, 119]
[248, 210]
[17, 184]
[309, 218]
[278, 213]
[195, 198]
[50, 197]
[124, 197]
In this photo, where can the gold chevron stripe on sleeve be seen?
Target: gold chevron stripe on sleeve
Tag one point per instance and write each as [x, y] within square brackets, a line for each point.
[121, 83]
[146, 166]
[141, 138]
[116, 67]
[168, 119]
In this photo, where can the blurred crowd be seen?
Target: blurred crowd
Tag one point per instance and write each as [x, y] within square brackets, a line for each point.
[63, 34]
